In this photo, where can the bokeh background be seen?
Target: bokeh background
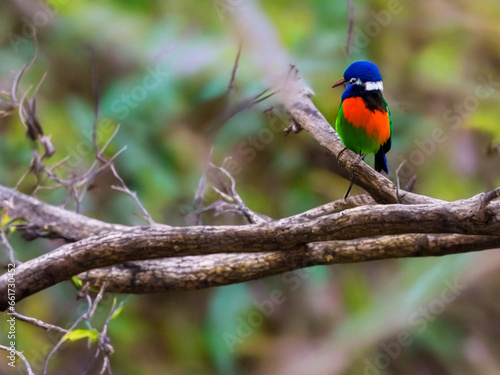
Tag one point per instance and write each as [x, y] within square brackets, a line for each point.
[163, 69]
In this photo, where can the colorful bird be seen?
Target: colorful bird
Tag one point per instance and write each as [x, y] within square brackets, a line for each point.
[364, 121]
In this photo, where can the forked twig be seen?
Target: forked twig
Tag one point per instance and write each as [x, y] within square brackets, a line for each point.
[23, 358]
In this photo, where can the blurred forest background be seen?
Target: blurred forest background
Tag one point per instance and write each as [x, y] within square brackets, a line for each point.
[163, 69]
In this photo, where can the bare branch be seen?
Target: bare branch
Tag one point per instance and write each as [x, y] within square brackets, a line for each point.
[133, 194]
[199, 197]
[141, 243]
[349, 27]
[199, 272]
[104, 341]
[295, 95]
[6, 243]
[230, 86]
[23, 358]
[227, 190]
[158, 258]
[39, 323]
[334, 207]
[48, 218]
[61, 340]
[95, 92]
[85, 316]
[488, 197]
[379, 187]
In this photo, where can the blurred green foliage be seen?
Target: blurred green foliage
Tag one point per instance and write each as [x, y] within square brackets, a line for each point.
[163, 68]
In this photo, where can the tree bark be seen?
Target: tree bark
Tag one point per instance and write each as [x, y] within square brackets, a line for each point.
[333, 236]
[188, 273]
[386, 223]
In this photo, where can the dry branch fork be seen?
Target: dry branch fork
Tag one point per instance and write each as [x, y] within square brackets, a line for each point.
[204, 256]
[160, 257]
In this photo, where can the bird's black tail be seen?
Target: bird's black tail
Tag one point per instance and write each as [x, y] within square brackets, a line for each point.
[381, 161]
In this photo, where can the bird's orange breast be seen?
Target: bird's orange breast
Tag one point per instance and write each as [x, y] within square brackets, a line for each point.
[376, 123]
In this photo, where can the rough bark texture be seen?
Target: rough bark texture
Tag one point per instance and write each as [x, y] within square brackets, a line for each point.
[203, 256]
[45, 218]
[186, 273]
[385, 223]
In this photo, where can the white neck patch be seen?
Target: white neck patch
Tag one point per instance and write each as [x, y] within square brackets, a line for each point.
[370, 86]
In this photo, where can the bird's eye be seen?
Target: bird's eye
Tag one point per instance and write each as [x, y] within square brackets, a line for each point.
[352, 80]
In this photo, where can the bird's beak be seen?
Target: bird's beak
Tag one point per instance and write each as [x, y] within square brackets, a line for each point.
[339, 82]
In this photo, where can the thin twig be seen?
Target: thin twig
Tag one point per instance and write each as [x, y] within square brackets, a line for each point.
[103, 343]
[7, 244]
[85, 316]
[95, 92]
[397, 177]
[104, 340]
[23, 70]
[228, 192]
[199, 195]
[115, 132]
[39, 323]
[87, 178]
[23, 358]
[133, 194]
[97, 299]
[39, 84]
[37, 50]
[230, 86]
[349, 27]
[15, 85]
[488, 197]
[61, 340]
[21, 107]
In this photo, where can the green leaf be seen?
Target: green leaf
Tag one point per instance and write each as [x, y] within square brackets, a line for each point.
[117, 311]
[78, 283]
[5, 219]
[78, 334]
[6, 222]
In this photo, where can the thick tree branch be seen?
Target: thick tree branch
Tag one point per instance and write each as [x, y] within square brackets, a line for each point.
[361, 228]
[305, 114]
[310, 119]
[471, 217]
[56, 221]
[260, 38]
[197, 272]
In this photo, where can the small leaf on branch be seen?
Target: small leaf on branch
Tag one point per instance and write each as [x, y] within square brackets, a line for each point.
[78, 334]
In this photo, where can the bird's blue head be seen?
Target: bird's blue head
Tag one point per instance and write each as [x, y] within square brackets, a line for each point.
[359, 77]
[364, 70]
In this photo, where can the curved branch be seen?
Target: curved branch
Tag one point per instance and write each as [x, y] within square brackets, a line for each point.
[140, 243]
[305, 114]
[201, 256]
[197, 272]
[260, 38]
[71, 226]
[310, 119]
[51, 219]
